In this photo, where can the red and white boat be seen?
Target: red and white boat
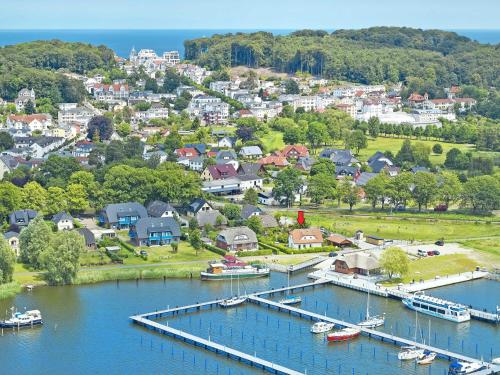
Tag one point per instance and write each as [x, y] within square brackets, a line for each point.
[344, 334]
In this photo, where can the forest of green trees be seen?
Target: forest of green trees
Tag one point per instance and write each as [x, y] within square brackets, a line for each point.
[375, 55]
[39, 65]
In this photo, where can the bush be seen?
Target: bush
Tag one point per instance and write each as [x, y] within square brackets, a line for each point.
[254, 253]
[127, 246]
[215, 249]
[286, 250]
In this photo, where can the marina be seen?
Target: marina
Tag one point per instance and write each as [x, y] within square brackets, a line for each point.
[348, 331]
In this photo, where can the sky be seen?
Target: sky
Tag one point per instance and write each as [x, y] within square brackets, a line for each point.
[248, 14]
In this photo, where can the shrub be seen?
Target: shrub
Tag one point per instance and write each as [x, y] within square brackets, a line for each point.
[254, 253]
[215, 249]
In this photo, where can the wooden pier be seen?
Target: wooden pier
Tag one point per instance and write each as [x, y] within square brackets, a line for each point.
[214, 347]
[382, 336]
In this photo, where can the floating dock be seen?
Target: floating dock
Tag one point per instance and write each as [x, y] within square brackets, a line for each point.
[145, 320]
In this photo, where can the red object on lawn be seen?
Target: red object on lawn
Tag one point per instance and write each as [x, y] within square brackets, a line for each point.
[300, 217]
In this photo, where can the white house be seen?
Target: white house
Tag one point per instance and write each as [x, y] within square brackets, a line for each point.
[63, 221]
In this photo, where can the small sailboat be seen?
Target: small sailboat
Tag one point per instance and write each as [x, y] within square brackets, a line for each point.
[344, 334]
[461, 368]
[411, 352]
[322, 327]
[290, 299]
[427, 358]
[371, 321]
[233, 301]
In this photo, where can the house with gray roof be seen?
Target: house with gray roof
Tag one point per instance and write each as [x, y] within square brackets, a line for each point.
[122, 215]
[21, 218]
[63, 221]
[213, 218]
[197, 205]
[250, 210]
[378, 161]
[251, 168]
[357, 263]
[364, 177]
[89, 237]
[225, 156]
[339, 157]
[155, 231]
[251, 152]
[161, 209]
[237, 239]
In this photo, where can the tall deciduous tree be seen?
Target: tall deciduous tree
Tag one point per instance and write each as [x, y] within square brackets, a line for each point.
[62, 258]
[7, 261]
[450, 187]
[481, 193]
[286, 185]
[10, 199]
[34, 197]
[56, 201]
[394, 261]
[425, 189]
[102, 125]
[195, 239]
[251, 196]
[33, 240]
[322, 187]
[356, 140]
[376, 189]
[255, 224]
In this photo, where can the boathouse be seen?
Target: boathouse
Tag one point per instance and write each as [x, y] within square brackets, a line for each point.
[357, 263]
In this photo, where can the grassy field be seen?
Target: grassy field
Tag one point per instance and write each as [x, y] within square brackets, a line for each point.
[428, 268]
[403, 229]
[161, 254]
[490, 246]
[272, 141]
[9, 290]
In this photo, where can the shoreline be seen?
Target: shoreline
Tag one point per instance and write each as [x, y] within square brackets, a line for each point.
[94, 276]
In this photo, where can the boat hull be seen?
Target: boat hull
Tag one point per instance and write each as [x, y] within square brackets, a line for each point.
[291, 301]
[5, 324]
[219, 276]
[343, 336]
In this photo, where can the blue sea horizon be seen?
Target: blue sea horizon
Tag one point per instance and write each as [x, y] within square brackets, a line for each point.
[122, 40]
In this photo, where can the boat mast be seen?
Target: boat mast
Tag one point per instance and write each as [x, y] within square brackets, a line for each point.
[368, 306]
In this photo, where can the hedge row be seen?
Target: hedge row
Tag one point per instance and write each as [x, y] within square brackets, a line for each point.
[127, 246]
[286, 250]
[254, 253]
[215, 249]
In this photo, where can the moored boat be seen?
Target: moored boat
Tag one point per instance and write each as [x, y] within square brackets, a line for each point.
[18, 320]
[234, 301]
[322, 327]
[231, 267]
[291, 300]
[427, 359]
[437, 307]
[344, 334]
[371, 321]
[462, 368]
[410, 352]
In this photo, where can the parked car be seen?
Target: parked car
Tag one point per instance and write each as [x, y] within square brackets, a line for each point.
[435, 252]
[430, 253]
[144, 253]
[333, 254]
[421, 253]
[441, 208]
[439, 243]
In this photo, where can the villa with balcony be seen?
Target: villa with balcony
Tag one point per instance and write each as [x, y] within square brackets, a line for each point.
[155, 231]
[122, 215]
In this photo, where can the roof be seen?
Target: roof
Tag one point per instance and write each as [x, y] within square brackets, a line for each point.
[29, 118]
[268, 221]
[237, 235]
[200, 147]
[250, 151]
[338, 239]
[22, 217]
[342, 157]
[306, 236]
[248, 209]
[376, 156]
[10, 234]
[277, 161]
[210, 217]
[147, 225]
[61, 216]
[249, 168]
[364, 178]
[226, 155]
[87, 235]
[116, 210]
[301, 150]
[378, 165]
[196, 204]
[366, 261]
[221, 171]
[158, 208]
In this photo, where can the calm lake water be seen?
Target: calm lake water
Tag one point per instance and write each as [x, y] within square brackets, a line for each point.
[87, 331]
[122, 41]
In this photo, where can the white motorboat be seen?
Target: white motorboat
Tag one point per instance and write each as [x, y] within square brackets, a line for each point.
[27, 319]
[462, 368]
[427, 359]
[371, 321]
[322, 327]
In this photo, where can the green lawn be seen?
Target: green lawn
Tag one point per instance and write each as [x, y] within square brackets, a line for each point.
[442, 265]
[162, 254]
[296, 259]
[272, 141]
[404, 228]
[490, 246]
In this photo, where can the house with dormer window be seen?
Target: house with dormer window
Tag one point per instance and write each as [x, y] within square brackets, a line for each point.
[155, 231]
[305, 238]
[122, 215]
[237, 239]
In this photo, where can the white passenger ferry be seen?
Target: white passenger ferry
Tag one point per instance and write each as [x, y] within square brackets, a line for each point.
[437, 307]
